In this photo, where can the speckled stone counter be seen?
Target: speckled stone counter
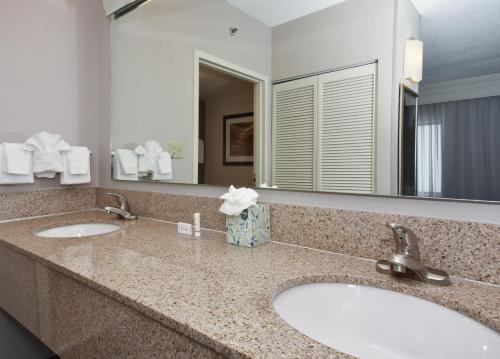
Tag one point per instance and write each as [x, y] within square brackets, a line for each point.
[217, 295]
[463, 249]
[44, 202]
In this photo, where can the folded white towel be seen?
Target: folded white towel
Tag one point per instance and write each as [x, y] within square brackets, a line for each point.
[148, 155]
[128, 161]
[47, 157]
[6, 178]
[76, 166]
[78, 160]
[145, 162]
[164, 163]
[17, 159]
[118, 173]
[47, 174]
[163, 168]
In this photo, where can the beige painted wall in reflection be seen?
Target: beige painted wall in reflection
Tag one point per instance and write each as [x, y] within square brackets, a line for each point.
[225, 103]
[152, 61]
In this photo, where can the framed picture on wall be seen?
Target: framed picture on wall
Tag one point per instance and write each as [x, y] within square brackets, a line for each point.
[238, 139]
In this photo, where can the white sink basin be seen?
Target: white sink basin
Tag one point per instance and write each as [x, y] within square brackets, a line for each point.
[372, 323]
[78, 230]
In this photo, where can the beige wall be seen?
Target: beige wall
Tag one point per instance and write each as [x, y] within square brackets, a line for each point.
[152, 62]
[50, 73]
[230, 101]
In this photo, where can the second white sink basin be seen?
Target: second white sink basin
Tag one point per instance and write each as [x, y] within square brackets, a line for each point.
[78, 230]
[372, 323]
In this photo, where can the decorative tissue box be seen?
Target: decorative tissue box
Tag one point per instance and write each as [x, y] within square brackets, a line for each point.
[251, 228]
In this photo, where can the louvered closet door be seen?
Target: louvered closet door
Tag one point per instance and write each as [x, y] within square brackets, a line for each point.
[346, 130]
[294, 128]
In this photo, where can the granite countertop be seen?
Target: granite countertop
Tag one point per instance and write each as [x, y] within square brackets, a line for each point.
[215, 293]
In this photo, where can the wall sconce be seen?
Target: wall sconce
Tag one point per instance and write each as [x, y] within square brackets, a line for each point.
[414, 59]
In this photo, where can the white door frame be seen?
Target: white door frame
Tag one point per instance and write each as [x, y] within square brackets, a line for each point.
[261, 103]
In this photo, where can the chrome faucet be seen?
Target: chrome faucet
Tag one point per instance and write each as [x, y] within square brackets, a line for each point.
[405, 262]
[123, 211]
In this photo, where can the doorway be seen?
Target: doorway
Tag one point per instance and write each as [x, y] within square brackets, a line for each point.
[230, 120]
[226, 107]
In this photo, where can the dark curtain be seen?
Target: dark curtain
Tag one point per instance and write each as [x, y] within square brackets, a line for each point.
[471, 149]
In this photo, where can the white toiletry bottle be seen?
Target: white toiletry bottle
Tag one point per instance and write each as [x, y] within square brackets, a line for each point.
[197, 226]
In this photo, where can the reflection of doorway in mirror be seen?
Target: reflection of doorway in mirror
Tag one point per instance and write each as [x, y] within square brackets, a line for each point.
[221, 89]
[226, 129]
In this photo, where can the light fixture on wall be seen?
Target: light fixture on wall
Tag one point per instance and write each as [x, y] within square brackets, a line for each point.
[414, 59]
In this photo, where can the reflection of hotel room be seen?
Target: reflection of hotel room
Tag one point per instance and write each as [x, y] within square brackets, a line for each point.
[225, 129]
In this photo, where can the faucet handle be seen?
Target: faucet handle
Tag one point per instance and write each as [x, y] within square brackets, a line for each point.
[122, 200]
[406, 240]
[396, 226]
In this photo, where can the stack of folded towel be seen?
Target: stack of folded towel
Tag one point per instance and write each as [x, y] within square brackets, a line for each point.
[51, 155]
[76, 166]
[152, 159]
[15, 164]
[164, 169]
[147, 159]
[44, 155]
[47, 158]
[125, 165]
[148, 155]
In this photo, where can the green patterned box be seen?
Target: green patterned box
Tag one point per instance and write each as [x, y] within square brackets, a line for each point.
[251, 228]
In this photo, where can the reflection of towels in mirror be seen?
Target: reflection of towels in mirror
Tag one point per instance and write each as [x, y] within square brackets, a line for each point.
[148, 155]
[163, 170]
[76, 166]
[125, 165]
[7, 178]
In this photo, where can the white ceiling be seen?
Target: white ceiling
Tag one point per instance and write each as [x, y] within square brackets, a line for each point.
[461, 38]
[276, 12]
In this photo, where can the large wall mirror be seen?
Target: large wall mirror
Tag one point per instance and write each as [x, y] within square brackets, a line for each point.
[386, 97]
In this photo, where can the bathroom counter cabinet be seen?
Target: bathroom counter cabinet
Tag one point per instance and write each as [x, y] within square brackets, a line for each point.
[145, 292]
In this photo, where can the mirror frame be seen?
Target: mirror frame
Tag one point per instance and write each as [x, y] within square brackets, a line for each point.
[403, 90]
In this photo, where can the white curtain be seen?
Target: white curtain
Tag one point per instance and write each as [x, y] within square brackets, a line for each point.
[429, 150]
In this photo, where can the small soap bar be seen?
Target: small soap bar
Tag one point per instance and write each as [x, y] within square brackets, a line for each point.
[184, 228]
